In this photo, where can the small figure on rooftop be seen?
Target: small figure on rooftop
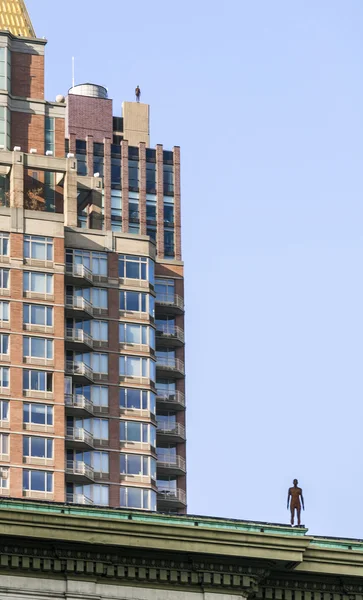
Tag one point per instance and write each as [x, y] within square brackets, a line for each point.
[137, 93]
[295, 493]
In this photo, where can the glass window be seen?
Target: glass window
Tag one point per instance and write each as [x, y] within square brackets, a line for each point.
[4, 443]
[99, 362]
[169, 249]
[168, 179]
[100, 462]
[4, 311]
[100, 428]
[42, 283]
[38, 447]
[135, 366]
[37, 347]
[37, 481]
[4, 244]
[137, 464]
[115, 171]
[132, 333]
[96, 296]
[132, 497]
[37, 247]
[49, 134]
[4, 410]
[100, 494]
[168, 213]
[96, 262]
[116, 208]
[4, 343]
[37, 314]
[133, 174]
[38, 414]
[4, 377]
[136, 267]
[100, 331]
[151, 211]
[134, 431]
[164, 289]
[37, 380]
[134, 301]
[4, 479]
[4, 278]
[150, 178]
[133, 398]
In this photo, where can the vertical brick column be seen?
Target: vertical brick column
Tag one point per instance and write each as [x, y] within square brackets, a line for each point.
[159, 202]
[125, 185]
[72, 143]
[89, 155]
[107, 183]
[59, 138]
[177, 215]
[142, 187]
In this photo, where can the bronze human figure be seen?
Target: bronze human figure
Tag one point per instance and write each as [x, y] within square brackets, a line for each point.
[295, 493]
[137, 93]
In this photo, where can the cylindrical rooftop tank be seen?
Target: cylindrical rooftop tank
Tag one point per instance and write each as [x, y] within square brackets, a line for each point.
[89, 89]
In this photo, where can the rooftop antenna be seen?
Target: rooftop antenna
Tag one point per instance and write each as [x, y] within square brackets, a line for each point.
[72, 71]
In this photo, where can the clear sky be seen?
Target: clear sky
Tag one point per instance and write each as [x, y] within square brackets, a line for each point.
[265, 99]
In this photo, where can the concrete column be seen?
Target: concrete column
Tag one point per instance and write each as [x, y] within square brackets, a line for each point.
[159, 202]
[89, 158]
[177, 215]
[107, 183]
[70, 194]
[125, 185]
[17, 181]
[142, 187]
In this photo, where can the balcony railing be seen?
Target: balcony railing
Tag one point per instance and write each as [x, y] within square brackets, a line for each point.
[78, 499]
[172, 300]
[172, 397]
[78, 434]
[169, 495]
[76, 270]
[79, 368]
[78, 401]
[78, 467]
[170, 332]
[173, 462]
[78, 335]
[79, 303]
[171, 429]
[174, 364]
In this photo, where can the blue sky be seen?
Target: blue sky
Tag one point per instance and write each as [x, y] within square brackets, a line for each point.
[265, 99]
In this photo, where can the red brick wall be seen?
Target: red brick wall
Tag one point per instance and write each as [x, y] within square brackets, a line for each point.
[27, 75]
[89, 116]
[27, 131]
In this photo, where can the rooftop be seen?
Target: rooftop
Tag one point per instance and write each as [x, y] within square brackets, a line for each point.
[14, 18]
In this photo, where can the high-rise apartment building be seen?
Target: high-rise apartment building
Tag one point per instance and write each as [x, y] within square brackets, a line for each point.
[92, 404]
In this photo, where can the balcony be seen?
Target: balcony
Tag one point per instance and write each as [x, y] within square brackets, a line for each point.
[169, 367]
[78, 499]
[169, 304]
[80, 372]
[78, 307]
[78, 275]
[77, 339]
[79, 472]
[169, 499]
[169, 335]
[78, 405]
[171, 465]
[79, 438]
[173, 400]
[170, 432]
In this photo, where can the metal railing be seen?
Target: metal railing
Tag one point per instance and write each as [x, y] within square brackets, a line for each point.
[174, 364]
[78, 499]
[78, 467]
[78, 401]
[170, 300]
[76, 270]
[169, 495]
[78, 335]
[79, 303]
[172, 462]
[171, 429]
[79, 368]
[78, 434]
[174, 397]
[170, 331]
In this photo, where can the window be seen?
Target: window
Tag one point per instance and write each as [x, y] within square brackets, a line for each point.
[168, 179]
[164, 289]
[37, 481]
[136, 267]
[99, 362]
[151, 232]
[168, 213]
[150, 178]
[4, 278]
[4, 377]
[131, 497]
[37, 347]
[5, 116]
[98, 394]
[37, 380]
[41, 283]
[100, 429]
[130, 333]
[100, 331]
[96, 296]
[165, 388]
[4, 479]
[132, 398]
[136, 464]
[96, 262]
[135, 366]
[4, 410]
[4, 443]
[115, 170]
[134, 210]
[49, 134]
[151, 211]
[4, 311]
[37, 314]
[37, 247]
[38, 414]
[116, 210]
[133, 174]
[4, 343]
[37, 447]
[100, 494]
[134, 301]
[169, 250]
[4, 243]
[134, 431]
[100, 462]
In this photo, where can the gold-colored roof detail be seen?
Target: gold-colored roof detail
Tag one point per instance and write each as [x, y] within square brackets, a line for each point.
[14, 18]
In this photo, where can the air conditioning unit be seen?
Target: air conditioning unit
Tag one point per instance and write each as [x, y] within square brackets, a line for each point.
[4, 473]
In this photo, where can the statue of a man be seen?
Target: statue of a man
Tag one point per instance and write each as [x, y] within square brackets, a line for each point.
[295, 493]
